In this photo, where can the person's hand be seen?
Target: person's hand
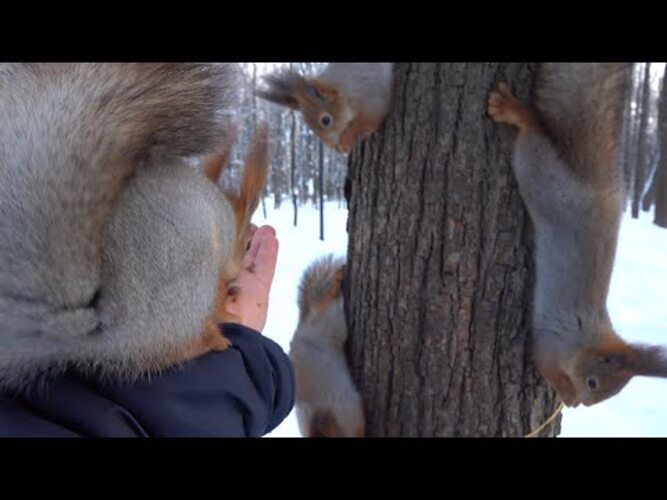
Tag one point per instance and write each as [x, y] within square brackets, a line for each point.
[249, 297]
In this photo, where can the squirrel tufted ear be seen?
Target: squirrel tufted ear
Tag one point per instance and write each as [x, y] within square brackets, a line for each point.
[256, 169]
[282, 88]
[650, 361]
[324, 92]
[616, 354]
[214, 164]
[618, 360]
[313, 90]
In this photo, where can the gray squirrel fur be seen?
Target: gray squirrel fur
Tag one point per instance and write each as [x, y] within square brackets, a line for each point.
[566, 162]
[105, 231]
[327, 401]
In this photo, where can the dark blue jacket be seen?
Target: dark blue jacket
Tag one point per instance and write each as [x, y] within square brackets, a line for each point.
[245, 391]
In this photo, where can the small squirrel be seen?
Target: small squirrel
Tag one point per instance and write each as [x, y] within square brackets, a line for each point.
[327, 401]
[113, 249]
[343, 104]
[566, 162]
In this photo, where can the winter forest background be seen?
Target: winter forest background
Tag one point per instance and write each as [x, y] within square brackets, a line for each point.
[304, 200]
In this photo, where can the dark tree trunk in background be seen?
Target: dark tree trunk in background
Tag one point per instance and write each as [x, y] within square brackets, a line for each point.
[640, 167]
[254, 124]
[293, 187]
[660, 179]
[632, 150]
[649, 197]
[295, 200]
[277, 182]
[330, 175]
[308, 170]
[627, 136]
[320, 149]
[439, 275]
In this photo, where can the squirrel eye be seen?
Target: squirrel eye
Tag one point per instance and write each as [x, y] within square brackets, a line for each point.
[325, 120]
[592, 383]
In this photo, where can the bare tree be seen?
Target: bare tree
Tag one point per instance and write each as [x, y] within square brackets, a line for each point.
[293, 186]
[321, 188]
[640, 166]
[439, 275]
[660, 178]
[254, 123]
[627, 144]
[652, 156]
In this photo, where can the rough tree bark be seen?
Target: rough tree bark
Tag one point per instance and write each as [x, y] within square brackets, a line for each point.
[439, 275]
[660, 179]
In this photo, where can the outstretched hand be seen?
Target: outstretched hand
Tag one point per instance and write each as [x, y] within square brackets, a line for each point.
[249, 297]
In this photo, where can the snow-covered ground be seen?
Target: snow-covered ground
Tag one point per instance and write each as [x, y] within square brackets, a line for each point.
[637, 303]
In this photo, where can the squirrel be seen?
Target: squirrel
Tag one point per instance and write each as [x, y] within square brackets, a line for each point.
[112, 247]
[327, 401]
[566, 162]
[343, 104]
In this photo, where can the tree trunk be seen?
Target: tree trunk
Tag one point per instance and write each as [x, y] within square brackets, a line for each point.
[649, 197]
[254, 125]
[440, 268]
[660, 180]
[306, 165]
[640, 167]
[627, 136]
[277, 183]
[320, 149]
[633, 149]
[293, 168]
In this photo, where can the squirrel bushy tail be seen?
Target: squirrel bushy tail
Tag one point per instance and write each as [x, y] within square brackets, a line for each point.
[72, 136]
[320, 285]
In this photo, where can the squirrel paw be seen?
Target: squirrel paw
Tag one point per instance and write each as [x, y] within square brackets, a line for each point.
[356, 130]
[342, 148]
[213, 339]
[505, 108]
[347, 140]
